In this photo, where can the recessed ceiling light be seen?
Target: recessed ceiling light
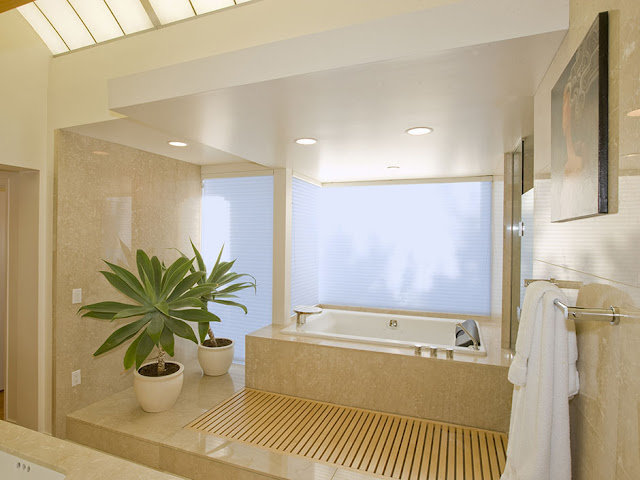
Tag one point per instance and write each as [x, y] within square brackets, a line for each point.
[100, 153]
[177, 144]
[393, 166]
[306, 141]
[419, 130]
[634, 113]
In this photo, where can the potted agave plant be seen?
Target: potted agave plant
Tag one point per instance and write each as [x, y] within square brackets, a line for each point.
[163, 300]
[216, 354]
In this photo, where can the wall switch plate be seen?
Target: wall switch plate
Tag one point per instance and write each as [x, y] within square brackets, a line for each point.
[76, 295]
[76, 379]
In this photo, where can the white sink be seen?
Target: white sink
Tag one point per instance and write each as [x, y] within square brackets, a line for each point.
[15, 468]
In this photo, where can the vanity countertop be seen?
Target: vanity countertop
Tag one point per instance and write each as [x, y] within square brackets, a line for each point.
[74, 461]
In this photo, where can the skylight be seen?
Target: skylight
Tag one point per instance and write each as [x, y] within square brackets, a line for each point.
[66, 25]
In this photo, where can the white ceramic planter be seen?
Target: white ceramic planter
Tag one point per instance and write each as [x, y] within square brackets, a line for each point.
[157, 394]
[215, 361]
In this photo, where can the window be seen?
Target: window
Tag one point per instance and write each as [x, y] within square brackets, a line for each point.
[407, 246]
[238, 213]
[305, 246]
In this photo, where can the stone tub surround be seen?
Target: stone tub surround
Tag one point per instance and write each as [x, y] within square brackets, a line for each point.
[470, 391]
[118, 426]
[74, 461]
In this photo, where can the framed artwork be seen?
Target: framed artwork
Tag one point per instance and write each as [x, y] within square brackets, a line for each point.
[580, 130]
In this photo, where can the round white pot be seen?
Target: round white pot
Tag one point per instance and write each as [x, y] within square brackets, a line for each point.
[215, 361]
[157, 394]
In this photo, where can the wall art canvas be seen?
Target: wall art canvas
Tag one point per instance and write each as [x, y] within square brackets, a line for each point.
[579, 130]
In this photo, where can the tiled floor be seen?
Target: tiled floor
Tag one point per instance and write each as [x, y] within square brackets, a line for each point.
[118, 426]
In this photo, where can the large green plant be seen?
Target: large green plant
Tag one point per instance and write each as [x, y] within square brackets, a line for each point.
[223, 283]
[163, 298]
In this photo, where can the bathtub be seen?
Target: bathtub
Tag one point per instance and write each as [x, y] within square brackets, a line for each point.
[376, 328]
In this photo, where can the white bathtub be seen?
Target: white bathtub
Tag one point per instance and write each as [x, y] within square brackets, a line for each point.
[15, 468]
[376, 328]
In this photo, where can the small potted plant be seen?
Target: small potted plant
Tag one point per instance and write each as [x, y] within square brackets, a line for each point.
[163, 298]
[216, 354]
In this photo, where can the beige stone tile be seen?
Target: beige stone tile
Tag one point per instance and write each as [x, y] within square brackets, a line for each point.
[74, 461]
[402, 384]
[106, 207]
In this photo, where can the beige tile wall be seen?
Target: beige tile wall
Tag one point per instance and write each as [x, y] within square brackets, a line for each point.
[106, 207]
[605, 417]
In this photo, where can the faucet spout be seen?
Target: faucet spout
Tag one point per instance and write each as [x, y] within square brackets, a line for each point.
[472, 337]
[303, 311]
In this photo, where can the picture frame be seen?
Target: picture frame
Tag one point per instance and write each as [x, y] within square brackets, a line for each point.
[580, 130]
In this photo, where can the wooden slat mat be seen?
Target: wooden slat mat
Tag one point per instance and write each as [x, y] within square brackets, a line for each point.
[389, 445]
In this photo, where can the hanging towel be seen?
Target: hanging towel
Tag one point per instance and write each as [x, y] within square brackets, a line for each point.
[544, 376]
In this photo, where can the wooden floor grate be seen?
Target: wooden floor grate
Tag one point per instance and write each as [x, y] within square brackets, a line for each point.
[389, 445]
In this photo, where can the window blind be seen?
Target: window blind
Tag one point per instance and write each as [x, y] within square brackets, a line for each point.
[419, 247]
[238, 213]
[305, 246]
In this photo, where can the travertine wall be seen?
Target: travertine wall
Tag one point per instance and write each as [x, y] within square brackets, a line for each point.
[605, 418]
[106, 207]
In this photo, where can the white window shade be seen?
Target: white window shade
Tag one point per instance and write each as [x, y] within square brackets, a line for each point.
[420, 247]
[238, 212]
[305, 246]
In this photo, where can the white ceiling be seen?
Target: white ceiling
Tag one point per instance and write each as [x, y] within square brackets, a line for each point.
[478, 99]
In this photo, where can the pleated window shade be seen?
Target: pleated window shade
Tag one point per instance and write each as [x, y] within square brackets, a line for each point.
[407, 246]
[238, 212]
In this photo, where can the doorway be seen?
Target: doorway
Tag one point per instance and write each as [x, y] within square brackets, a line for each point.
[518, 236]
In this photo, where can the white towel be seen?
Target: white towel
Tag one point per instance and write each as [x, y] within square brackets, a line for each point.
[544, 375]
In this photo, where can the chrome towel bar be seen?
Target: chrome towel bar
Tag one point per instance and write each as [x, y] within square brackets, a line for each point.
[611, 314]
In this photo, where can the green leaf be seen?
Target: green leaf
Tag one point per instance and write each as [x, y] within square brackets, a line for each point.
[148, 287]
[203, 329]
[185, 284]
[218, 273]
[236, 287]
[198, 291]
[157, 273]
[128, 277]
[154, 329]
[180, 328]
[167, 341]
[130, 356]
[106, 307]
[133, 312]
[175, 273]
[124, 288]
[145, 346]
[99, 315]
[144, 265]
[122, 334]
[162, 307]
[187, 303]
[194, 315]
[231, 304]
[201, 266]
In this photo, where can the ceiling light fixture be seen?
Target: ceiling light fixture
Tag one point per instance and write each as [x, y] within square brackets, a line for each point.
[634, 113]
[306, 141]
[175, 143]
[419, 131]
[393, 166]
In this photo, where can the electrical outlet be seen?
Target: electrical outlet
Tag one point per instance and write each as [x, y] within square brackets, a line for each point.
[76, 379]
[76, 295]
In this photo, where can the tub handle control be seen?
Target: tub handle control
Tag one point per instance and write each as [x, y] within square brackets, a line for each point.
[393, 323]
[418, 350]
[433, 351]
[450, 353]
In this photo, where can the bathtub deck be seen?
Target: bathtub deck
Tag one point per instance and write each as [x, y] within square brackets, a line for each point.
[377, 443]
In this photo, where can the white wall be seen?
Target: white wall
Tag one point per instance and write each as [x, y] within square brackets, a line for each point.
[25, 143]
